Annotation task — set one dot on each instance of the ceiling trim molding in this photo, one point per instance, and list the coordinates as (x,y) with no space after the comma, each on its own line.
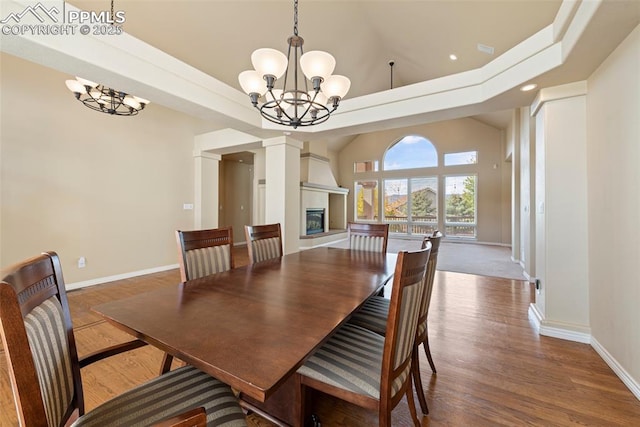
(556,93)
(137,67)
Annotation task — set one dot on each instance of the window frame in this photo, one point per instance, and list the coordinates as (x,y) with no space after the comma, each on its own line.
(446,223)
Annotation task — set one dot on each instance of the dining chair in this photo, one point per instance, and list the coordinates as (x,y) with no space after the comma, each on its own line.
(371,237)
(365,368)
(368,236)
(263,242)
(374,314)
(204,252)
(44,368)
(201,253)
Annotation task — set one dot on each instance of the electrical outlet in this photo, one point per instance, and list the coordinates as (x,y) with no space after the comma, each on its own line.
(82,262)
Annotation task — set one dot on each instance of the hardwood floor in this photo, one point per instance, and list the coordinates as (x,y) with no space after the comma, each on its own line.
(493,368)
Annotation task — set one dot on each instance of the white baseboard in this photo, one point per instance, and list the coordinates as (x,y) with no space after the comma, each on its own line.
(571,335)
(535,316)
(100,280)
(556,329)
(624,376)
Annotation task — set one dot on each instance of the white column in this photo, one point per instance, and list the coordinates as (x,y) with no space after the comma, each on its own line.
(516,200)
(282,192)
(206,188)
(562,301)
(527,193)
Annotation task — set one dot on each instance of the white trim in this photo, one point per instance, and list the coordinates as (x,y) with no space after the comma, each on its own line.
(556,329)
(624,376)
(535,316)
(527,276)
(569,90)
(100,280)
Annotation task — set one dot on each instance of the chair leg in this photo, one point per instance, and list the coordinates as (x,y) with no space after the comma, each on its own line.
(300,409)
(166,363)
(427,351)
(412,404)
(417,381)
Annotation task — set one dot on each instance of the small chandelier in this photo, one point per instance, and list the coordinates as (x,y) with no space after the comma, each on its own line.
(104,99)
(298,105)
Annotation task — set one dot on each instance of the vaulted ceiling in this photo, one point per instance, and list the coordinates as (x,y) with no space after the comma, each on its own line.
(218,37)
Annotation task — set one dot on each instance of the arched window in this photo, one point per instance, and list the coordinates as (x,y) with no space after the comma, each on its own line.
(410,152)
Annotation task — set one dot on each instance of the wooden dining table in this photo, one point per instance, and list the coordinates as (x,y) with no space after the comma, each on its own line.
(253,326)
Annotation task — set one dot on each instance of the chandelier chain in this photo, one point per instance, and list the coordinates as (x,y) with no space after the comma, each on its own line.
(295,18)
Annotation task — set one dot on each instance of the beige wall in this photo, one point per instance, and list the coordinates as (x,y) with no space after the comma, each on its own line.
(83,183)
(613,159)
(448,136)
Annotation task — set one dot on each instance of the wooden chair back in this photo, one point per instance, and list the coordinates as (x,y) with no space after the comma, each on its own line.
(204,252)
(263,242)
(428,278)
(368,237)
(36,329)
(406,296)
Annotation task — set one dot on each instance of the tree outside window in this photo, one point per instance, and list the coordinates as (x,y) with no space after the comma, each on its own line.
(460,206)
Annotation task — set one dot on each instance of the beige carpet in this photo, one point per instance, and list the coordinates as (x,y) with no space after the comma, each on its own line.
(471,258)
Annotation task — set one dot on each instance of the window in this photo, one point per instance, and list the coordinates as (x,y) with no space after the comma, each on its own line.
(396,206)
(368,166)
(424,205)
(366,200)
(411,205)
(464,158)
(460,206)
(411,152)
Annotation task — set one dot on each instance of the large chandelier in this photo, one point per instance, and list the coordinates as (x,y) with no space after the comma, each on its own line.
(104,99)
(294,104)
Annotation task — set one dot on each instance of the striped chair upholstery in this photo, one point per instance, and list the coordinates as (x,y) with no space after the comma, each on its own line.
(48,342)
(42,361)
(266,249)
(264,242)
(374,313)
(368,237)
(350,364)
(366,243)
(204,252)
(205,261)
(166,396)
(350,360)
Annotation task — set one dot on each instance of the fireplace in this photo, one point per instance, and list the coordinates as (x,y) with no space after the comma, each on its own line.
(315,221)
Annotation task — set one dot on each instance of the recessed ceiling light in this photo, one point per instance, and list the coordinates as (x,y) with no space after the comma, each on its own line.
(453,57)
(527,88)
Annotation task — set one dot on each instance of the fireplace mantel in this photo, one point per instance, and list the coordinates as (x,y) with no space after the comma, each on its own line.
(328,189)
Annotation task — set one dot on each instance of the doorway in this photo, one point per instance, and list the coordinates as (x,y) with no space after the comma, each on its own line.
(236,192)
